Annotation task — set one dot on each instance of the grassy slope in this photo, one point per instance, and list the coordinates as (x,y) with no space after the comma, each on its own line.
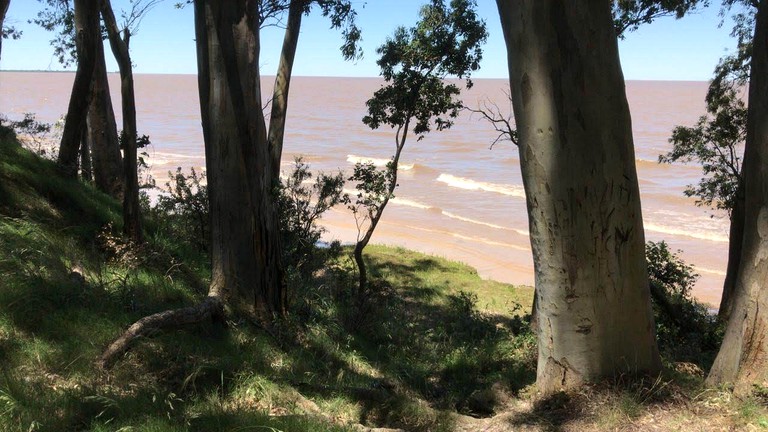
(408,356)
(433,341)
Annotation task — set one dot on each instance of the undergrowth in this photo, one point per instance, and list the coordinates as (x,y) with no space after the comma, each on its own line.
(431,339)
(430,342)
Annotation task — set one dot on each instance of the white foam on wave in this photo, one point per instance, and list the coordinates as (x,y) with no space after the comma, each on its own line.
(489,242)
(410,203)
(686,231)
(474,185)
(487,224)
(377,162)
(708,270)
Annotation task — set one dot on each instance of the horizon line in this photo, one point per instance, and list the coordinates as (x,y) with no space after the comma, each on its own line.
(317,76)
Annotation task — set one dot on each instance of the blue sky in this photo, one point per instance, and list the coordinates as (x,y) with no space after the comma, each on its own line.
(665,50)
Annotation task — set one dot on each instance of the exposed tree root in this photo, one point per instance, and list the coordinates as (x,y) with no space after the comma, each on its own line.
(210,308)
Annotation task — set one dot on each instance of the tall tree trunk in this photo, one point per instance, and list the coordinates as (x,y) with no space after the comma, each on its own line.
(743,357)
(102,131)
(3,10)
(121,51)
(247,271)
(578,165)
(87,39)
(735,242)
(279,112)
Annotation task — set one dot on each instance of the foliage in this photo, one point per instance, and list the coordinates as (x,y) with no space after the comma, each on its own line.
(59,16)
(688,332)
(10,32)
(629,15)
(716,140)
(33,134)
(303,198)
(183,209)
(373,186)
(445,42)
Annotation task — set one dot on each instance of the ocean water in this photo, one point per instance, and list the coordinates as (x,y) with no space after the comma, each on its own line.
(458,198)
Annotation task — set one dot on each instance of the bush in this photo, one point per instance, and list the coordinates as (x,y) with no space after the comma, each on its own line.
(686,329)
(302,200)
(183,209)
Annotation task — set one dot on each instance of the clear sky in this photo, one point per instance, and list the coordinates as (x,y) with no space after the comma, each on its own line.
(665,50)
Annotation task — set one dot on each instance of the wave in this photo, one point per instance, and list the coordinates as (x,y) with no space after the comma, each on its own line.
(377,162)
(487,224)
(410,203)
(687,232)
(469,184)
(489,242)
(708,270)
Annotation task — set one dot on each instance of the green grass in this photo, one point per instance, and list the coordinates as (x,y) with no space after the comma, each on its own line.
(430,335)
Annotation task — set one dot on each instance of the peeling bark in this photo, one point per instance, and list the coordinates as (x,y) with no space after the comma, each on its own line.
(743,357)
(578,165)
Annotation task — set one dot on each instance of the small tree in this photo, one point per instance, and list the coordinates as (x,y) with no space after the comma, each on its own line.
(716,143)
(414,63)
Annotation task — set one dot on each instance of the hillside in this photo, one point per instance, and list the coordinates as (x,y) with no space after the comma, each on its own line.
(433,348)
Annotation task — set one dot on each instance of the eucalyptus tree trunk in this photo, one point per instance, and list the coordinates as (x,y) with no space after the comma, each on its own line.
(87,39)
(3,10)
(121,51)
(743,357)
(247,271)
(578,166)
(279,111)
(102,131)
(735,243)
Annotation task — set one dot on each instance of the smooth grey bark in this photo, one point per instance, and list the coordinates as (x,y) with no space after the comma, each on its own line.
(121,51)
(87,39)
(578,166)
(743,357)
(102,131)
(278,115)
(247,272)
(4,4)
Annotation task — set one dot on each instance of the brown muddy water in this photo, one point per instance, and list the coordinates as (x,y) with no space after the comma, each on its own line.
(457,198)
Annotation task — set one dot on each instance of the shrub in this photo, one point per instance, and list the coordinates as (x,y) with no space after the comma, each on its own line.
(686,329)
(302,200)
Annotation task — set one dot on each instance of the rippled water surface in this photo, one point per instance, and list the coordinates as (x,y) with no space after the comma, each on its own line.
(457,198)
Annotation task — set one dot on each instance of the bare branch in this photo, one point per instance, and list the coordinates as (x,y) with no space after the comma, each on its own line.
(501,123)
